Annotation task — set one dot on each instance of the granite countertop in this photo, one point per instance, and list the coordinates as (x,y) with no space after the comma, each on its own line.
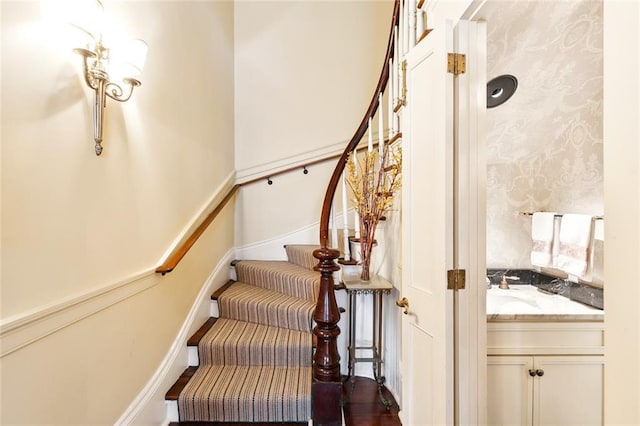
(526,303)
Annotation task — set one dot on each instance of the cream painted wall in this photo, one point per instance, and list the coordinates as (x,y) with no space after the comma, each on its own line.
(74,224)
(305,73)
(296,61)
(622,211)
(72,221)
(89,372)
(292,203)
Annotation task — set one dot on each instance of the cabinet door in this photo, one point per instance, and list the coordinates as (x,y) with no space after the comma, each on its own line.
(510,393)
(570,390)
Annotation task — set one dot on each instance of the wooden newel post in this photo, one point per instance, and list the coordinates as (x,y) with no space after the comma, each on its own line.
(327,387)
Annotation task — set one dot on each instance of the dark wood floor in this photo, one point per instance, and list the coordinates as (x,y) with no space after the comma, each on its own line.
(364,408)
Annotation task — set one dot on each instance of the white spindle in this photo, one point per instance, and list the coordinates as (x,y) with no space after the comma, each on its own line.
(380,126)
(401,29)
(370,141)
(405,30)
(419,22)
(396,67)
(390,90)
(412,23)
(345,219)
(356,218)
(334,229)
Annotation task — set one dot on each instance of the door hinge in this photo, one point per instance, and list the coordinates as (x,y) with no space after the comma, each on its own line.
(456,279)
(456,63)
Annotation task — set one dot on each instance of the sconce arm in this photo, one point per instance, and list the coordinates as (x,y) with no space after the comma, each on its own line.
(88,55)
(120,93)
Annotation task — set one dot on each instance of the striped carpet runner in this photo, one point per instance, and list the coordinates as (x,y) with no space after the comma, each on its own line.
(255,361)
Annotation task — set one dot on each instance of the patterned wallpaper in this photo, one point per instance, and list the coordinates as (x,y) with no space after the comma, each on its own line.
(545,143)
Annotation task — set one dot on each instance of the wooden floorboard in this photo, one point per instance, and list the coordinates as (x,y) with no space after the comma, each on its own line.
(365,408)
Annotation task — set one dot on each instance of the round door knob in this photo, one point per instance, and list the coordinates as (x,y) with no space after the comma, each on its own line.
(403,303)
(540,373)
(532,373)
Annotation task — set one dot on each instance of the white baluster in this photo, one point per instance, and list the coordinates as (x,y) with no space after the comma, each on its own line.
(396,68)
(419,23)
(405,28)
(400,29)
(380,126)
(412,23)
(334,229)
(390,92)
(356,218)
(370,141)
(345,219)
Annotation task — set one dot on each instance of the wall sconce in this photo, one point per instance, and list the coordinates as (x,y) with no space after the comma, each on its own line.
(109,72)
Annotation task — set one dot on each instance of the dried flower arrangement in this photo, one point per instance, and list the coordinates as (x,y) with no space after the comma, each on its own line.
(373,182)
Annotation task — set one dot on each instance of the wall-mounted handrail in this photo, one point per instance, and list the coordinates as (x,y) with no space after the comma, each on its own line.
(179,252)
(326,360)
(176,255)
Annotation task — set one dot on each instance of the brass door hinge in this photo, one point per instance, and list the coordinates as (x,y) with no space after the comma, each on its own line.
(456,279)
(456,63)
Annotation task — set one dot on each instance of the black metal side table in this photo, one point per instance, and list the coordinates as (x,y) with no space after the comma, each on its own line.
(376,287)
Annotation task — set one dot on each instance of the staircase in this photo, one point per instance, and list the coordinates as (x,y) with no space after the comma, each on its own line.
(255,358)
(258,359)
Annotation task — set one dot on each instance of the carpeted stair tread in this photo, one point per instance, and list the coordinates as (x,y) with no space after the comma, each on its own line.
(234,342)
(197,336)
(283,277)
(302,255)
(250,303)
(247,394)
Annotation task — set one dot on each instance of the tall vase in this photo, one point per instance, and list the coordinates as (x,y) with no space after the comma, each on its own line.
(366,245)
(365,264)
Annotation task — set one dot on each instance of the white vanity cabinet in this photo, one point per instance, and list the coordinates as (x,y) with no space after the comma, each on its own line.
(545,373)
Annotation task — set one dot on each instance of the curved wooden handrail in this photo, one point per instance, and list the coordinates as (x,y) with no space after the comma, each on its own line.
(359,133)
(326,359)
(174,258)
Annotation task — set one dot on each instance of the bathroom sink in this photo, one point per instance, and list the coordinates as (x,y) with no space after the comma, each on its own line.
(526,299)
(502,302)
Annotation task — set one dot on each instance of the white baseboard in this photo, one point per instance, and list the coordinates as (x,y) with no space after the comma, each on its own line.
(176,360)
(273,249)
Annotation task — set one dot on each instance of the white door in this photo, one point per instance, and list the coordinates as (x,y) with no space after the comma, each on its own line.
(427,232)
(428,219)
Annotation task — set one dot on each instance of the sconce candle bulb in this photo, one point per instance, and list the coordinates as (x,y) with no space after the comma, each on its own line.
(96,67)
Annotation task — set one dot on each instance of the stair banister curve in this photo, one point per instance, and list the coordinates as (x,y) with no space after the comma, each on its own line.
(326,362)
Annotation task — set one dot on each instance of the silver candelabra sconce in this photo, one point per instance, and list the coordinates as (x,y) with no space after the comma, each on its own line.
(109,72)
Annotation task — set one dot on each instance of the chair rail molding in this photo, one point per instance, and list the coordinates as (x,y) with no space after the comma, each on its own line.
(28,327)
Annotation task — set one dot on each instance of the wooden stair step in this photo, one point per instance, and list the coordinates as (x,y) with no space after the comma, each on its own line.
(198,335)
(174,391)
